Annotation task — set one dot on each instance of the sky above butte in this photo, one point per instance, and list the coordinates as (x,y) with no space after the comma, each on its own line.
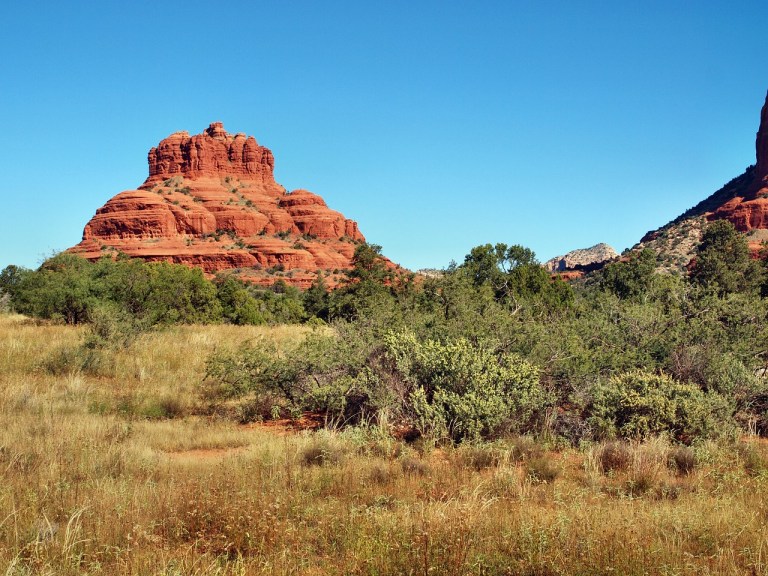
(437,125)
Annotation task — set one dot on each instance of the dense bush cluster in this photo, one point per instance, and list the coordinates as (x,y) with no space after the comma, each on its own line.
(493,345)
(464,391)
(71,289)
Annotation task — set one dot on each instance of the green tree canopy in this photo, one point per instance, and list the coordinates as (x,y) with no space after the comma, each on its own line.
(723,262)
(631,278)
(514,274)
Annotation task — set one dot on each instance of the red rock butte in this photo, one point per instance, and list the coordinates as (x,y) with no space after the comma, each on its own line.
(211,201)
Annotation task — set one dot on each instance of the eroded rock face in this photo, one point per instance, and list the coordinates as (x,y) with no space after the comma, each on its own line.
(212,153)
(748,208)
(582,259)
(211,201)
(743,201)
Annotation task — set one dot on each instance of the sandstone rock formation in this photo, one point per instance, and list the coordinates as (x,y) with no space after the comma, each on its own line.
(743,201)
(748,208)
(211,201)
(584,259)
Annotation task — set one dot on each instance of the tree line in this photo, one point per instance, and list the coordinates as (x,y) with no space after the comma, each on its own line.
(493,345)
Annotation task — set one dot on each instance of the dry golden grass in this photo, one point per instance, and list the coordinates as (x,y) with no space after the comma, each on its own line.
(86,489)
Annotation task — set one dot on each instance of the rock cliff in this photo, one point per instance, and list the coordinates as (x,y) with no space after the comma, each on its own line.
(742,201)
(584,259)
(211,201)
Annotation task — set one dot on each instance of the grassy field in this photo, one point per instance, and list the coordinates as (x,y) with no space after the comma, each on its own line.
(120,473)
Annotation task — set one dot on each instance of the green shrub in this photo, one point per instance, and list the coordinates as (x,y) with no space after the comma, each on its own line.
(237,303)
(463,391)
(318,373)
(235,374)
(640,404)
(68,288)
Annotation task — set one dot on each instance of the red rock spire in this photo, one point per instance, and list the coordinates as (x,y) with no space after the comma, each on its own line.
(761,143)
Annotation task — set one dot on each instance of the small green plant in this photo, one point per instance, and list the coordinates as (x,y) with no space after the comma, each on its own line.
(463,391)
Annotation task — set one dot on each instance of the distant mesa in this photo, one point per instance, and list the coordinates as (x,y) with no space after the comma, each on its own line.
(583,259)
(211,201)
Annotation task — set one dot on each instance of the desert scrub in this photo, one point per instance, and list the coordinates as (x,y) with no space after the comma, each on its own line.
(464,391)
(102,493)
(481,456)
(640,404)
(323,448)
(635,469)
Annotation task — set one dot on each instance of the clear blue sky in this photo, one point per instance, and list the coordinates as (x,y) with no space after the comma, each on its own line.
(437,125)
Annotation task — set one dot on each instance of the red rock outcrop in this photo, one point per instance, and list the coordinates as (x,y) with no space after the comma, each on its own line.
(748,208)
(743,201)
(211,201)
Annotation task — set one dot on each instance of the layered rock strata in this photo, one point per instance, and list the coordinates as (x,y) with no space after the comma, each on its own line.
(211,201)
